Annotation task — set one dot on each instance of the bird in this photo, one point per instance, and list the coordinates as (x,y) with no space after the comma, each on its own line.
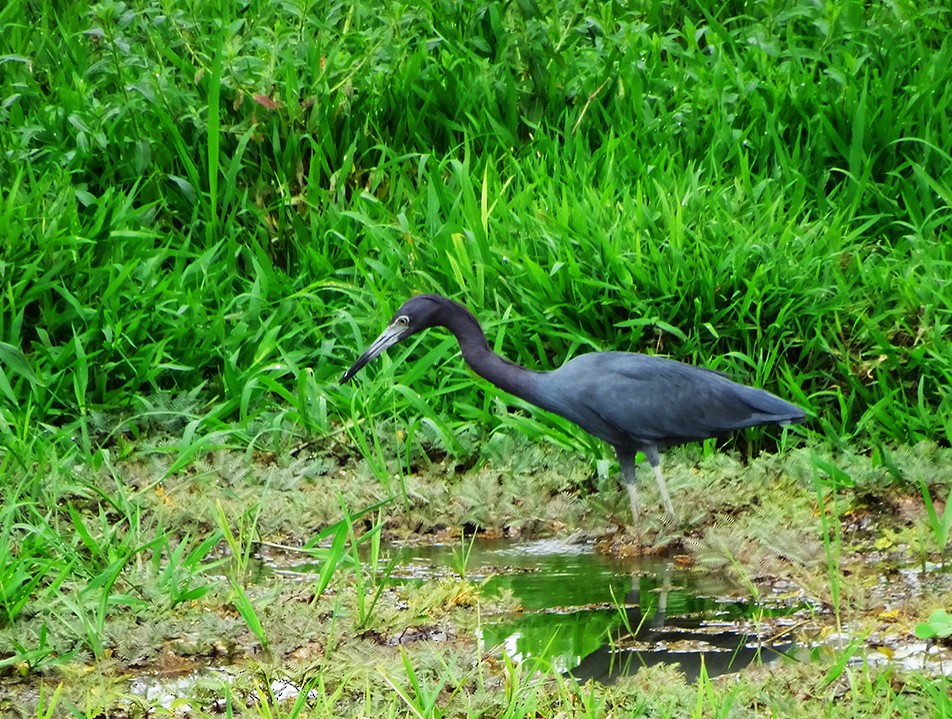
(634,402)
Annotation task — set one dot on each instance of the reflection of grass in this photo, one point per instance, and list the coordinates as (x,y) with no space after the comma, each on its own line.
(560,638)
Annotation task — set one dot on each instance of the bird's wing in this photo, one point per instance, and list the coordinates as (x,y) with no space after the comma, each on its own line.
(656,401)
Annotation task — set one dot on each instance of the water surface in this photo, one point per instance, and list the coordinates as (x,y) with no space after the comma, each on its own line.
(598,617)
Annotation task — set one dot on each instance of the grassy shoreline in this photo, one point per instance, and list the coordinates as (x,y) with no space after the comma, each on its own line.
(191,600)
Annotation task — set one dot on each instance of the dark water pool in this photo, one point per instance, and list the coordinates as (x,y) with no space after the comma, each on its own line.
(599,617)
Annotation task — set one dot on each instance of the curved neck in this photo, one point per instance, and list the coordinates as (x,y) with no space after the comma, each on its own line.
(506,375)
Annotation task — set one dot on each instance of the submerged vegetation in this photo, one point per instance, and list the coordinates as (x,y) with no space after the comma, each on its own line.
(207,208)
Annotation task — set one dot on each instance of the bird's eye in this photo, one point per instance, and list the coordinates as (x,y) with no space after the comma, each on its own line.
(403,320)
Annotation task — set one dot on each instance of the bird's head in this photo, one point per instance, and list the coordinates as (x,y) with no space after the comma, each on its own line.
(414,315)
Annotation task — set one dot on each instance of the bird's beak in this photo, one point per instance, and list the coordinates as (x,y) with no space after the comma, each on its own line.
(389,337)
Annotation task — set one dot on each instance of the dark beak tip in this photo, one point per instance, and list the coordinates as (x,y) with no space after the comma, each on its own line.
(389,337)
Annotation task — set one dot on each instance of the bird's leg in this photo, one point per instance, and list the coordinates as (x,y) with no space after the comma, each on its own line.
(663,490)
(654,459)
(626,462)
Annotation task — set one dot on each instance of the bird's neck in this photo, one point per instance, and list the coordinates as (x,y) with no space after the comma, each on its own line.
(506,375)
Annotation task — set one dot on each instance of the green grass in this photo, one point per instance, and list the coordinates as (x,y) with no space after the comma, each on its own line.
(765,192)
(207,210)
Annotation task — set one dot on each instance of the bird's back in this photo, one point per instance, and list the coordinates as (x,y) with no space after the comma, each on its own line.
(634,400)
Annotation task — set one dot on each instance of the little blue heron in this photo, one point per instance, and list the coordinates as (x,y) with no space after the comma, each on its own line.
(635,402)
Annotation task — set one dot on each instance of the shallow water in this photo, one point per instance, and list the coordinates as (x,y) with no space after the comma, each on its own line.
(598,617)
(593,616)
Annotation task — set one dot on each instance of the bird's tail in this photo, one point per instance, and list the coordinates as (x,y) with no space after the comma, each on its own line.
(770,409)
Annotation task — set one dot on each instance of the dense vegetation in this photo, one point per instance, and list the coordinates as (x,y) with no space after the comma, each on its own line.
(206,202)
(207,209)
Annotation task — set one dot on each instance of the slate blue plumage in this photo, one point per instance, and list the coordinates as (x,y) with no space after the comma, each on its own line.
(634,402)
